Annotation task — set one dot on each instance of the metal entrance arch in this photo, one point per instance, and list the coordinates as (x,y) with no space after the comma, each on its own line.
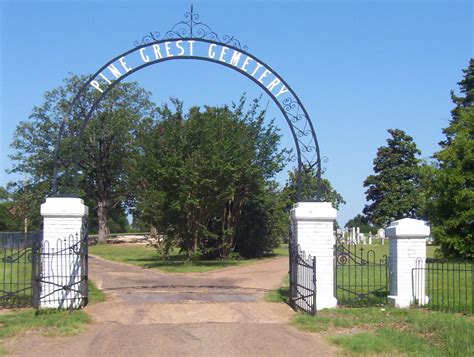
(195,33)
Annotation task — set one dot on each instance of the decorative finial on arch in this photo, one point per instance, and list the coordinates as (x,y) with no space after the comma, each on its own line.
(191,27)
(192,13)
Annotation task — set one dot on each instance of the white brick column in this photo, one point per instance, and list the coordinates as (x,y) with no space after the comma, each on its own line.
(63,224)
(312,224)
(407,252)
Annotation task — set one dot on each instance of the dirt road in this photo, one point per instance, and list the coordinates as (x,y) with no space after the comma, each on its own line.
(150,313)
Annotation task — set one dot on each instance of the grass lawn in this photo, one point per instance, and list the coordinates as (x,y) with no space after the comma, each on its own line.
(147,257)
(280,295)
(17,322)
(388,331)
(15,275)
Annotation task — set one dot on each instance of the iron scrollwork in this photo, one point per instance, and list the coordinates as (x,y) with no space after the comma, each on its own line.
(191,27)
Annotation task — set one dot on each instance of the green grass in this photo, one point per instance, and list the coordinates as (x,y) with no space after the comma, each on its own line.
(147,257)
(15,276)
(95,295)
(390,331)
(15,323)
(282,250)
(449,286)
(282,294)
(48,322)
(362,270)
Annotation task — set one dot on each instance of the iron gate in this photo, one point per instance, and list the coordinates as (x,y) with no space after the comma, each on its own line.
(19,268)
(361,277)
(64,274)
(302,281)
(34,273)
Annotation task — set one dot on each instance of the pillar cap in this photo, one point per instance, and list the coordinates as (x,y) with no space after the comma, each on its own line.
(64,207)
(408,228)
(313,211)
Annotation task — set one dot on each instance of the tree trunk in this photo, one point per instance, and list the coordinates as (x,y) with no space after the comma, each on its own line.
(103,219)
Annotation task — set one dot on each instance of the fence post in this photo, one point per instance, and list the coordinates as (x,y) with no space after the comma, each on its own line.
(407,261)
(312,224)
(64,218)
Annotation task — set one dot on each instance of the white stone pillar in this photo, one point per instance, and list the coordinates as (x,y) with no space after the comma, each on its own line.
(64,221)
(313,230)
(407,261)
(353,233)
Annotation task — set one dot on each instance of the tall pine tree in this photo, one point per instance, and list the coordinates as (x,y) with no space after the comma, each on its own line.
(451,208)
(394,191)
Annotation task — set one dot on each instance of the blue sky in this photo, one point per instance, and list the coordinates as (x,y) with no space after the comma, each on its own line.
(359,67)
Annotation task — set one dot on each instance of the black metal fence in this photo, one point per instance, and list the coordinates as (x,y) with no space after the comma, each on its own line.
(444,285)
(302,281)
(360,277)
(19,266)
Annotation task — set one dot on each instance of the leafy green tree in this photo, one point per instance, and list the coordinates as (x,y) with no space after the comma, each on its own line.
(106,151)
(3,194)
(466,100)
(394,191)
(197,173)
(309,189)
(363,223)
(264,223)
(8,223)
(117,220)
(451,208)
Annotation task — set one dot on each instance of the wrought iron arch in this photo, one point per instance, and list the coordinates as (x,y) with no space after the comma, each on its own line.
(191,29)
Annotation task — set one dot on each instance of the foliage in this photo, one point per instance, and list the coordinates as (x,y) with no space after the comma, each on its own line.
(106,149)
(117,219)
(309,189)
(3,194)
(466,87)
(201,173)
(451,208)
(263,215)
(363,223)
(394,190)
(9,221)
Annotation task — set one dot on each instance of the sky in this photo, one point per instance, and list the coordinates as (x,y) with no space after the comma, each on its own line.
(359,67)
